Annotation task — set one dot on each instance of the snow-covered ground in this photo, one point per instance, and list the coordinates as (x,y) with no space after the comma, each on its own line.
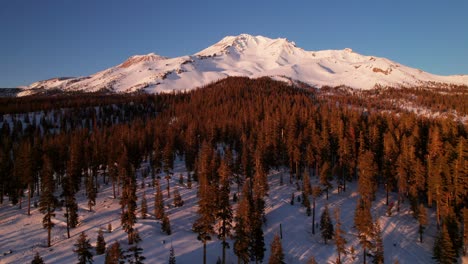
(250,56)
(21,235)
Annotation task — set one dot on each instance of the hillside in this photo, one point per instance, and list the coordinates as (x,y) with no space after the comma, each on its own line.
(399,231)
(264,139)
(249,56)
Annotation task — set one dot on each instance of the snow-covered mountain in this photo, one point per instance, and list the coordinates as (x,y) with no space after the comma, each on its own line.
(251,56)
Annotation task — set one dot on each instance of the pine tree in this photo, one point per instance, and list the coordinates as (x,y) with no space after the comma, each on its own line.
(134,252)
(82,249)
(443,248)
(114,254)
(367,173)
(422,219)
(91,190)
(100,243)
(37,259)
(363,224)
(172,259)
(326,177)
(128,200)
(24,166)
(166,225)
(312,260)
(144,206)
(158,202)
(326,225)
(71,207)
(340,241)
(243,225)
(178,202)
(203,226)
(379,247)
(316,191)
(306,203)
(47,202)
(277,255)
(224,212)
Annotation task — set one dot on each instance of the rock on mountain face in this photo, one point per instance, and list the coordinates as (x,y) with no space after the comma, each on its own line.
(251,56)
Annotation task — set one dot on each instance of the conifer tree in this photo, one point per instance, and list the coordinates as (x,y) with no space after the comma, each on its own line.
(203,226)
(134,252)
(306,203)
(158,202)
(166,225)
(422,219)
(326,225)
(367,173)
(144,206)
(443,248)
(243,225)
(340,241)
(90,190)
(277,255)
(114,254)
(178,202)
(24,167)
(312,260)
(379,247)
(100,243)
(224,212)
(37,259)
(71,207)
(364,225)
(128,202)
(82,249)
(316,191)
(172,259)
(47,202)
(325,177)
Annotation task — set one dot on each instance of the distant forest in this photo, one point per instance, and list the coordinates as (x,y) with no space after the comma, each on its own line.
(238,129)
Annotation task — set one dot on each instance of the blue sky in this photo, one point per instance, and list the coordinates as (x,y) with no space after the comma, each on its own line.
(45,39)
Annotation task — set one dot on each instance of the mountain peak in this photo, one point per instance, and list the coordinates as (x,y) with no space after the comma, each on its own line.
(252,56)
(244,42)
(136,59)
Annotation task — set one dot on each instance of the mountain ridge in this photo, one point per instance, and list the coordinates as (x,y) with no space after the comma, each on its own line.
(249,56)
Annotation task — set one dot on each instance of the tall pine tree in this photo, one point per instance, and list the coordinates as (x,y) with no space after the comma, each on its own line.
(276,252)
(82,249)
(326,225)
(224,212)
(47,202)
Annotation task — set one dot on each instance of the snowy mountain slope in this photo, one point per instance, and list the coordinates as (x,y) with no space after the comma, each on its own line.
(251,56)
(24,235)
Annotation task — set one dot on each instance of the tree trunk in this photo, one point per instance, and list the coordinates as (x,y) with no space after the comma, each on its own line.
(20,194)
(224,242)
(29,198)
(387,191)
(420,233)
(113,188)
(313,218)
(365,256)
(49,225)
(224,251)
(68,221)
(204,252)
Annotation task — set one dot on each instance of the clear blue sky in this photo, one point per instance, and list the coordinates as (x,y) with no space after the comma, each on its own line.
(46,38)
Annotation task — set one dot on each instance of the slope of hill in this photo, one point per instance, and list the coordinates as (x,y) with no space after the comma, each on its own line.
(251,56)
(23,235)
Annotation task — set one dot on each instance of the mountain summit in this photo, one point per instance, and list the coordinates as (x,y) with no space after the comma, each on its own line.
(251,56)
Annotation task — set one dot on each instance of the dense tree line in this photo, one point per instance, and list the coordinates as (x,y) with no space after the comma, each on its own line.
(235,131)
